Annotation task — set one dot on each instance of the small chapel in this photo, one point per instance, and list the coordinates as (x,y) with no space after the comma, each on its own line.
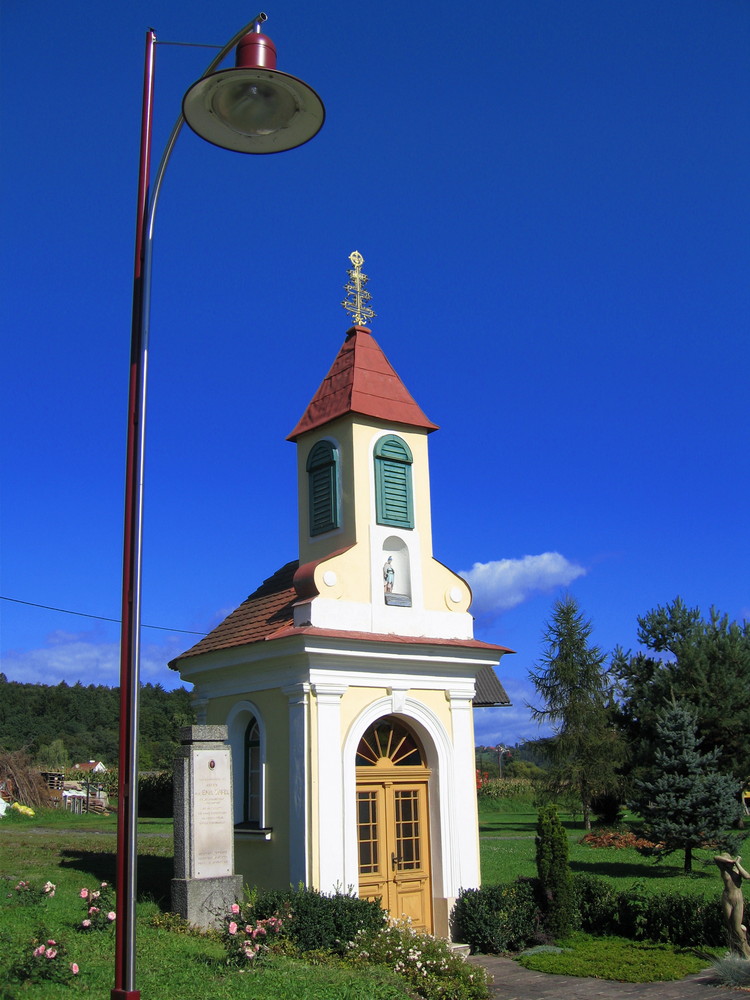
(348,680)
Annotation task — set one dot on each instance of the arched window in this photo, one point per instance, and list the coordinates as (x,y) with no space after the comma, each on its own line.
(253,785)
(389,743)
(322,480)
(394,504)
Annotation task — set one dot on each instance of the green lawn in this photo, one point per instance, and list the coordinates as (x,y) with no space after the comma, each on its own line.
(507,850)
(615,958)
(78,851)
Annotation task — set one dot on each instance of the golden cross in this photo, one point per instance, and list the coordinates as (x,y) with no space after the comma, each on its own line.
(356,294)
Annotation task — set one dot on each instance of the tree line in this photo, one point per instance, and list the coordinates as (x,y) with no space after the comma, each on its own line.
(61,725)
(662,730)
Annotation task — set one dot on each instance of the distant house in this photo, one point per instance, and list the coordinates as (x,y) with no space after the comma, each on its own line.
(90,767)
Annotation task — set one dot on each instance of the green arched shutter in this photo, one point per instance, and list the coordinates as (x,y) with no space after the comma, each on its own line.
(322,463)
(393,490)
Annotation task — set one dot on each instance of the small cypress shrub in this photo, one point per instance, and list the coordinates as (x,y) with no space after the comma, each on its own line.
(555,879)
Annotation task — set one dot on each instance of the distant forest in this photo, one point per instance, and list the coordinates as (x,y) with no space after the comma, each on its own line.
(62,725)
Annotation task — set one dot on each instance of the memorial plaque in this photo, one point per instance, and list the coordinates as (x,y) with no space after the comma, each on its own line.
(212,822)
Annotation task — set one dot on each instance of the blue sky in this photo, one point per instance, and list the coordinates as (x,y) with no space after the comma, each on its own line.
(552,202)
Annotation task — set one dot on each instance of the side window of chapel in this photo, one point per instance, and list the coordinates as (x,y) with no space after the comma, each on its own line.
(253,785)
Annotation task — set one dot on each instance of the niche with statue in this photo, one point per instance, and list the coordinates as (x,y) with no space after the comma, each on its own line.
(396,573)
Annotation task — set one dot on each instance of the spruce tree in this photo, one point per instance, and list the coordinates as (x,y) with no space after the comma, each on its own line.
(571,679)
(684,799)
(555,879)
(702,662)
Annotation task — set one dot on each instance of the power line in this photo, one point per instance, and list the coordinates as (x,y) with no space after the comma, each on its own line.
(101,618)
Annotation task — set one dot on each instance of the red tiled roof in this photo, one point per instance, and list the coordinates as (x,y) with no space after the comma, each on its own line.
(361,380)
(266,610)
(268,614)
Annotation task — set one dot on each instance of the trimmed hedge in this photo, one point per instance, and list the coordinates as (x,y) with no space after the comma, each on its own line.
(506,918)
(315,920)
(498,918)
(676,918)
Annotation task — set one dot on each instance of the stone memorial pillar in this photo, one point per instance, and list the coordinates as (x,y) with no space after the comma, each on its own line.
(204,886)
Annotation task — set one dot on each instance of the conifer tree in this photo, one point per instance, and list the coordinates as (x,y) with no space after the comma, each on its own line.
(571,679)
(684,799)
(703,663)
(553,871)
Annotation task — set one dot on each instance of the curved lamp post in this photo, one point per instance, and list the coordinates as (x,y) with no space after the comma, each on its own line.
(253,108)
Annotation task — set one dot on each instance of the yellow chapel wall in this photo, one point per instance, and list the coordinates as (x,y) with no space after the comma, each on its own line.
(261,862)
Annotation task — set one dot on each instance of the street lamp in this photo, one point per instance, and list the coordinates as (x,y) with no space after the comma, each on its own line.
(253,108)
(500,751)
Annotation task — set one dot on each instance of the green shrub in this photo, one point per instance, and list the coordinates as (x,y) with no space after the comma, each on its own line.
(431,970)
(43,958)
(679,919)
(155,795)
(555,879)
(314,920)
(595,904)
(498,918)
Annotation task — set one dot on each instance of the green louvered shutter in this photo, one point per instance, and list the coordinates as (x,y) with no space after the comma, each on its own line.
(323,488)
(393,489)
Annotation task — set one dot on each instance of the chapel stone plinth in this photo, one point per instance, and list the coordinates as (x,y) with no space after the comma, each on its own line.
(205,885)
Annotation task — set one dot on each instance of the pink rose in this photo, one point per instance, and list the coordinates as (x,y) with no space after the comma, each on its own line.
(74,968)
(51,952)
(235,908)
(50,941)
(232,927)
(104,885)
(85,923)
(40,950)
(84,894)
(93,909)
(111,915)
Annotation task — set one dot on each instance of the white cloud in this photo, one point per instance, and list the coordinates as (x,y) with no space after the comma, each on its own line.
(90,659)
(505,583)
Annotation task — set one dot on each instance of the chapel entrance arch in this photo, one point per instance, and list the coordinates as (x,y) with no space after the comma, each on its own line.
(393,821)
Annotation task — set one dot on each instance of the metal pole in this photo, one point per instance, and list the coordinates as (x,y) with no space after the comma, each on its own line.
(127,797)
(130,640)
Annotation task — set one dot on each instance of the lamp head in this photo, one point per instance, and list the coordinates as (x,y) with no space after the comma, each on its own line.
(253,108)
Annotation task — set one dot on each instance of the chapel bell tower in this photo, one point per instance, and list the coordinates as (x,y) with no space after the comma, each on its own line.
(365,527)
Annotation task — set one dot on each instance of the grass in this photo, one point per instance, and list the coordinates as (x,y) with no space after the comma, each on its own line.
(615,958)
(80,851)
(507,830)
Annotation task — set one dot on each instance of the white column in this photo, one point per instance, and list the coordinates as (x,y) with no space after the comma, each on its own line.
(330,775)
(465,825)
(299,778)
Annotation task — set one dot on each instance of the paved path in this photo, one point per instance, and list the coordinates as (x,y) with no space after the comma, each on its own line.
(513,982)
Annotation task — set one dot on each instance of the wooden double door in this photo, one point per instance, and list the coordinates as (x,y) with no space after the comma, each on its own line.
(393,840)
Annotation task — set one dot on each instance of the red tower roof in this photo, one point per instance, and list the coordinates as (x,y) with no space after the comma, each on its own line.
(361,380)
